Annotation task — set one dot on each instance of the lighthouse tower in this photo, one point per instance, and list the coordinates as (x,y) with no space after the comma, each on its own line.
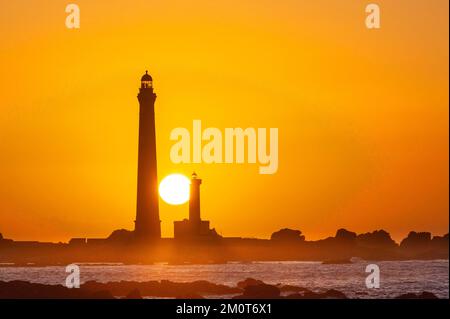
(194,200)
(147,223)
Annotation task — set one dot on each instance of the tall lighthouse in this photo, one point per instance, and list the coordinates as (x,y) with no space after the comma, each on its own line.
(147,223)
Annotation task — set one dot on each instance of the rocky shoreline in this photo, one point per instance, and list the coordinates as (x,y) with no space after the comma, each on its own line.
(247,289)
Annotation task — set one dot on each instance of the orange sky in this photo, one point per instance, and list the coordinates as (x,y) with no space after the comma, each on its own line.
(362,114)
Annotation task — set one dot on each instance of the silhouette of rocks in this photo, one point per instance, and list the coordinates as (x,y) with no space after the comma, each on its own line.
(1,236)
(164,288)
(260,291)
(416,240)
(26,290)
(265,289)
(132,290)
(332,293)
(440,241)
(190,296)
(285,244)
(420,245)
(345,235)
(287,234)
(423,295)
(193,290)
(329,294)
(249,282)
(340,247)
(101,294)
(134,294)
(121,236)
(380,238)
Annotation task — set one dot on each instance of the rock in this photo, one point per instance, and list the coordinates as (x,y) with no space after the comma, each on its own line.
(165,288)
(26,290)
(287,234)
(121,236)
(134,294)
(345,235)
(261,291)
(249,282)
(334,294)
(423,295)
(440,241)
(101,294)
(416,240)
(190,296)
(378,238)
(295,296)
(329,294)
(428,295)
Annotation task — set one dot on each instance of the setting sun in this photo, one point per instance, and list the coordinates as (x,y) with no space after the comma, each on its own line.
(174,189)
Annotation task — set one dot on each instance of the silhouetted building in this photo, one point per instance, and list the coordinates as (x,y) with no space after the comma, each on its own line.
(147,223)
(194,227)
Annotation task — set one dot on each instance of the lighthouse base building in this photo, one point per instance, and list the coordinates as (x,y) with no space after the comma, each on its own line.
(194,228)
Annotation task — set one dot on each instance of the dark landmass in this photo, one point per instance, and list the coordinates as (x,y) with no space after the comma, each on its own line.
(423,295)
(247,289)
(336,261)
(284,245)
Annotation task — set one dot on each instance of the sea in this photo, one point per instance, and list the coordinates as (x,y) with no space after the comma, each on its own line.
(396,277)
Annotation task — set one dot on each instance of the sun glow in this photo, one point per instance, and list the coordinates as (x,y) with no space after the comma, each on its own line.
(174,189)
